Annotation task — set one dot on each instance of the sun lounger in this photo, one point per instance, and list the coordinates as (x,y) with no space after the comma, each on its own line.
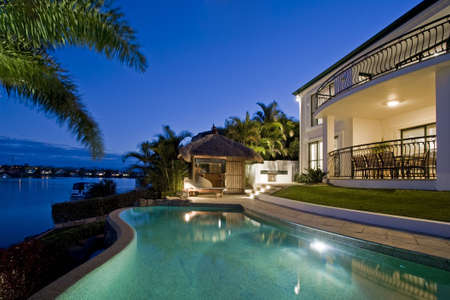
(201,186)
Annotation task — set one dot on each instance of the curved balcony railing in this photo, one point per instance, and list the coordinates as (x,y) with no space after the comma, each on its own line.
(413,158)
(425,42)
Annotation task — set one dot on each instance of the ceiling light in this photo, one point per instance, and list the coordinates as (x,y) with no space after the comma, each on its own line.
(393,103)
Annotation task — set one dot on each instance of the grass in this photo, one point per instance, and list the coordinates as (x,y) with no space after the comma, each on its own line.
(431,205)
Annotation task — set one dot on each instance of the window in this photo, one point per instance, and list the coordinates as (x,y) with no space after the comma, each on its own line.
(419,131)
(336,143)
(315,155)
(210,166)
(314,106)
(422,133)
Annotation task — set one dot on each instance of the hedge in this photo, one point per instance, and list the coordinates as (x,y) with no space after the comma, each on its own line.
(29,266)
(82,209)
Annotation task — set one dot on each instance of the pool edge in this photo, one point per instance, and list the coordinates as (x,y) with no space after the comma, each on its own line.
(124,236)
(405,254)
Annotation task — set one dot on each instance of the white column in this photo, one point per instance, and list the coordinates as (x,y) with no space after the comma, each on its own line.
(443,128)
(328,139)
(298,98)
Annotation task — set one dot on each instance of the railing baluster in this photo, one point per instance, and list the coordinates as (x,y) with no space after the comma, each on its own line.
(412,158)
(421,43)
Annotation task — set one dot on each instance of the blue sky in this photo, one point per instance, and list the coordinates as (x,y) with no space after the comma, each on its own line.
(208,60)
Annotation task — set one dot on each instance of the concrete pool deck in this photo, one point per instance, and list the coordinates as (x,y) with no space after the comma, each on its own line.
(420,248)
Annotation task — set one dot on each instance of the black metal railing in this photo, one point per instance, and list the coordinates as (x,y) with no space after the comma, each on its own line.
(412,158)
(425,42)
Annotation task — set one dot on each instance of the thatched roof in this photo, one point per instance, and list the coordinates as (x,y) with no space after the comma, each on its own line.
(218,145)
(214,130)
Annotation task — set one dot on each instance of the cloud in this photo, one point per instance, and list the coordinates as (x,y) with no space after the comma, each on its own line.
(18,151)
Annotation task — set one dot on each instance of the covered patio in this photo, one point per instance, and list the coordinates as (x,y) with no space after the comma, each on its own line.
(385,131)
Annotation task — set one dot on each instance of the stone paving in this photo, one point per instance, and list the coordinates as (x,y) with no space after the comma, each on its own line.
(424,244)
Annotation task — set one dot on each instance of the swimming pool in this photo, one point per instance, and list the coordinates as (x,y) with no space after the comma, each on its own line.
(207,253)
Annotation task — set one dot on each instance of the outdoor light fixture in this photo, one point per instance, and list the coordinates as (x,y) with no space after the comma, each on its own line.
(393,103)
(267,187)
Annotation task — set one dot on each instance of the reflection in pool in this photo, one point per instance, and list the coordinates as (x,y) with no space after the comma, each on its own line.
(211,254)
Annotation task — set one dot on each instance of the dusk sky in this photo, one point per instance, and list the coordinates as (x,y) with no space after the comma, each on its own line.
(208,60)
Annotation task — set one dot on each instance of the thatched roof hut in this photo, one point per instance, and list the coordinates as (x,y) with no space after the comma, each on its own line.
(220,160)
(216,145)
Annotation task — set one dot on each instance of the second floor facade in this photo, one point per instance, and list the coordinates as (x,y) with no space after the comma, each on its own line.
(387,91)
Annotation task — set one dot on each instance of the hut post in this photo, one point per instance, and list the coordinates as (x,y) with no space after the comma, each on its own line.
(194,175)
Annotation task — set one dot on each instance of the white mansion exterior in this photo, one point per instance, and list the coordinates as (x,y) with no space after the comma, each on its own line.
(380,117)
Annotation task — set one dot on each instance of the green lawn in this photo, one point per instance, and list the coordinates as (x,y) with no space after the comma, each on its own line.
(419,204)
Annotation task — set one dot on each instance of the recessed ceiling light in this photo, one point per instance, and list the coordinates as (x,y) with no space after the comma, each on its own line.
(393,103)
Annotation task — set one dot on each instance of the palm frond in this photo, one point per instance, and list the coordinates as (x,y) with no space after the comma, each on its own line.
(35,76)
(57,23)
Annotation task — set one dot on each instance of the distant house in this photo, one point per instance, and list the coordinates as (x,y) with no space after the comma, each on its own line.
(60,172)
(30,171)
(373,119)
(46,172)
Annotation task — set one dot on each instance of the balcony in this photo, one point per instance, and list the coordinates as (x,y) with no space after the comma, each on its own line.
(423,43)
(409,159)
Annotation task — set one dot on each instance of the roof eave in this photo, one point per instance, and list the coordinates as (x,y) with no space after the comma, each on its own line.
(388,29)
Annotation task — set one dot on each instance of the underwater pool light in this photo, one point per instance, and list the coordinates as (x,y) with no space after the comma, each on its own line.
(319,246)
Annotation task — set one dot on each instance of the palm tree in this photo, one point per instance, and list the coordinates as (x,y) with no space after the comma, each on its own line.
(144,160)
(291,131)
(272,142)
(159,163)
(166,149)
(244,131)
(268,113)
(31,30)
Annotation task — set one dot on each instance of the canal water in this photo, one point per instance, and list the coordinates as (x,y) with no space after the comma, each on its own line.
(26,204)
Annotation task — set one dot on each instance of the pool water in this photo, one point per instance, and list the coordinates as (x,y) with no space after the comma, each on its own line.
(181,253)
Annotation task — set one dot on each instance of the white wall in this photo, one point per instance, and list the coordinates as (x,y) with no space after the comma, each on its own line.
(307,133)
(366,131)
(253,172)
(393,126)
(443,127)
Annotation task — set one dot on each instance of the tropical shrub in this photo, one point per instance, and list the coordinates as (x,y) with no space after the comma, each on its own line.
(270,133)
(101,206)
(31,265)
(310,176)
(158,162)
(103,188)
